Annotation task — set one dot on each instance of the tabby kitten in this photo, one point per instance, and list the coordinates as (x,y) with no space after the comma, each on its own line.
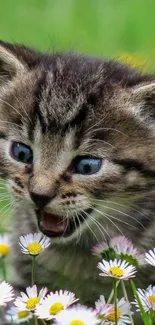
(77,151)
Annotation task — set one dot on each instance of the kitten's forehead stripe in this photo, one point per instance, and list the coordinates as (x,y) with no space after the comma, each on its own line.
(3,135)
(77,122)
(131,164)
(37,113)
(58,106)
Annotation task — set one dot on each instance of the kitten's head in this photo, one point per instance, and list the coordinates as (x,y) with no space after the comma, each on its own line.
(73,130)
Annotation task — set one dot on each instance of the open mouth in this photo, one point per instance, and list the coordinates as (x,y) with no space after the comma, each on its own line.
(53,225)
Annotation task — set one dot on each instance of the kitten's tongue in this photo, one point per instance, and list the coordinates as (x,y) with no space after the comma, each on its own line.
(52,222)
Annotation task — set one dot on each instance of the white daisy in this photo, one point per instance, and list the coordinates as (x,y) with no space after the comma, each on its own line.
(30,299)
(142,298)
(106,312)
(6,293)
(34,244)
(147,298)
(117,269)
(100,302)
(126,250)
(122,313)
(102,308)
(150,257)
(122,244)
(150,297)
(18,316)
(98,249)
(54,303)
(119,247)
(4,244)
(76,315)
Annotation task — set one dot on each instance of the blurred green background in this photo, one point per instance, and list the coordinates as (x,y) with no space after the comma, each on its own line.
(101,27)
(115,28)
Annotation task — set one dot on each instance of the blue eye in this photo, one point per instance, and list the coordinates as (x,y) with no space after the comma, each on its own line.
(86,165)
(21,152)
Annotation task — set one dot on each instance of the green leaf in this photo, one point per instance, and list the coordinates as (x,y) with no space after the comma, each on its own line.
(129,258)
(145,317)
(109,254)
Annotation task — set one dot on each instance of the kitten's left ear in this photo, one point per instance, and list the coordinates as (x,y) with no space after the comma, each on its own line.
(10,65)
(143,101)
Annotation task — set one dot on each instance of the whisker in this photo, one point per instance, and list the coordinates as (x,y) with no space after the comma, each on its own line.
(12,123)
(24,110)
(106,216)
(5,194)
(80,232)
(20,129)
(2,100)
(123,205)
(106,129)
(99,140)
(103,128)
(98,225)
(6,217)
(3,188)
(66,224)
(4,210)
(73,218)
(120,220)
(4,199)
(93,126)
(84,220)
(123,213)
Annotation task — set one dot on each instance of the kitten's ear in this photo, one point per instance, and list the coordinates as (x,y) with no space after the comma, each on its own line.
(15,58)
(143,101)
(26,55)
(10,65)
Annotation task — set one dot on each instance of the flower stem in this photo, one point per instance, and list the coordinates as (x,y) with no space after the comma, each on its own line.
(115,299)
(43,322)
(35,320)
(3,268)
(33,270)
(12,323)
(126,298)
(112,292)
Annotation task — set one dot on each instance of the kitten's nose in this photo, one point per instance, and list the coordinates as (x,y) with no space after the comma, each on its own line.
(41,199)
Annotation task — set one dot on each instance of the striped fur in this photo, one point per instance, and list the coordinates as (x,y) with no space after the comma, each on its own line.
(63,106)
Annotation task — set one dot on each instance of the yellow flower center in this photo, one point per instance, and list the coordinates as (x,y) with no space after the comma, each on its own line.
(23,314)
(4,249)
(55,308)
(111,316)
(34,248)
(76,322)
(151,298)
(32,302)
(116,271)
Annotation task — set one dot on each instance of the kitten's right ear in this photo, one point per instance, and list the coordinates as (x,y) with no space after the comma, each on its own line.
(10,65)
